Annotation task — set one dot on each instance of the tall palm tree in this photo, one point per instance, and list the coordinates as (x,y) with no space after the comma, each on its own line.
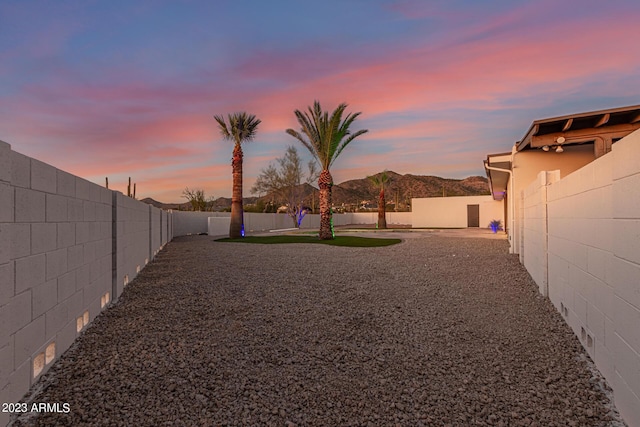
(242,127)
(379,181)
(325,137)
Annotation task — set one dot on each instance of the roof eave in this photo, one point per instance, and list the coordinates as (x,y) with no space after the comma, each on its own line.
(535,126)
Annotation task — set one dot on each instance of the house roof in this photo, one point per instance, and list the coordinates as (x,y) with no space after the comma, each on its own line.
(498,179)
(602,127)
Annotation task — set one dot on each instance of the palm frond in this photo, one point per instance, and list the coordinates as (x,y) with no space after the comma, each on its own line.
(223,127)
(334,132)
(241,127)
(326,135)
(379,179)
(347,141)
(304,142)
(309,126)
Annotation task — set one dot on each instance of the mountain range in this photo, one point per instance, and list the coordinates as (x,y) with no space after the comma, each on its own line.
(361,192)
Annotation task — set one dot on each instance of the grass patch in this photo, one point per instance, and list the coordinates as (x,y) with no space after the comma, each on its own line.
(351,241)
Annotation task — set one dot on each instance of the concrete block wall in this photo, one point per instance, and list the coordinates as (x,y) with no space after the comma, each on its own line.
(133,239)
(368,218)
(160,229)
(197,222)
(185,222)
(265,222)
(257,222)
(593,225)
(167,227)
(624,275)
(59,253)
(535,250)
(218,226)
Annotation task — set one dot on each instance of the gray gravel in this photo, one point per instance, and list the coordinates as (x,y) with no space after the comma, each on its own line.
(433,331)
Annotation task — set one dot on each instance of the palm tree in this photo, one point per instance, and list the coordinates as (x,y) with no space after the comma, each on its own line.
(325,137)
(379,181)
(242,127)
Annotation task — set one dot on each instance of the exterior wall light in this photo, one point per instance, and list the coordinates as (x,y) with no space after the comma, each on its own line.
(545,148)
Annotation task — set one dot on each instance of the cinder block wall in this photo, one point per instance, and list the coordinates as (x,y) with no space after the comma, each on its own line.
(355,218)
(593,262)
(197,222)
(535,234)
(166,227)
(66,245)
(138,237)
(185,223)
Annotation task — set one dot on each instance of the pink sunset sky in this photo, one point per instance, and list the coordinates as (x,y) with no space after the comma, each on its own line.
(129,88)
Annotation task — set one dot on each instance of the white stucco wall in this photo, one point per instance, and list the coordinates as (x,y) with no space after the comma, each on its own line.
(451,212)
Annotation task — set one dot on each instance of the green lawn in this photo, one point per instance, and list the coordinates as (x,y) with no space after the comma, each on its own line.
(358,242)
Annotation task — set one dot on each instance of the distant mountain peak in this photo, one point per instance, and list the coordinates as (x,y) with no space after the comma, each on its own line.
(352,193)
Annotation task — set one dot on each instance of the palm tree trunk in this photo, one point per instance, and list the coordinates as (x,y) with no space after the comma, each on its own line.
(236,228)
(325,182)
(382,210)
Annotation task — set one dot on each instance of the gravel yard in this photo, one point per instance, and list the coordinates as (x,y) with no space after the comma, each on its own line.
(433,331)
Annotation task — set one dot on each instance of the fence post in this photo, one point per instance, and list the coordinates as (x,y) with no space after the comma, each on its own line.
(114,245)
(150,233)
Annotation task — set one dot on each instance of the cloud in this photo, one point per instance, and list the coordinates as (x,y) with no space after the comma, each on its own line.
(458,81)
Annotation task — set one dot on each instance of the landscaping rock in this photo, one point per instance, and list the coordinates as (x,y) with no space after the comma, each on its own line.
(433,331)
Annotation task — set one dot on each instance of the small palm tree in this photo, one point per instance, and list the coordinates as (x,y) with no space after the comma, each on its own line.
(242,127)
(379,181)
(325,137)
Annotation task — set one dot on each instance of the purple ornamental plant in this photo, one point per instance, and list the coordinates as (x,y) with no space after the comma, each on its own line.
(495,225)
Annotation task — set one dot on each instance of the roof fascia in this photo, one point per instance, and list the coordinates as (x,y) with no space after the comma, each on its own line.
(606,114)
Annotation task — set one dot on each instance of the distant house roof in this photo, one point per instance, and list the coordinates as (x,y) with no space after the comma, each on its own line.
(602,128)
